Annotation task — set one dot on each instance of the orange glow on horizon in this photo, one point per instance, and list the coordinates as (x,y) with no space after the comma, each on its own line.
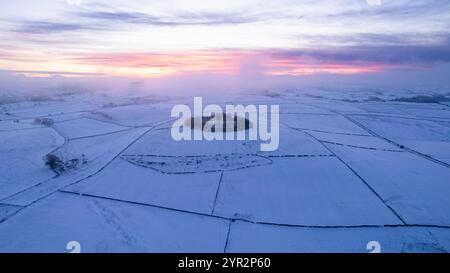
(164,64)
(158,65)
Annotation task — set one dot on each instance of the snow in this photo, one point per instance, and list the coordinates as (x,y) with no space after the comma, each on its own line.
(427,137)
(435,149)
(297,108)
(49,108)
(160,142)
(416,188)
(404,129)
(342,107)
(133,115)
(443,123)
(429,113)
(355,141)
(350,169)
(14,124)
(84,127)
(21,154)
(247,237)
(7,210)
(333,123)
(108,226)
(292,142)
(99,151)
(380,108)
(301,191)
(191,192)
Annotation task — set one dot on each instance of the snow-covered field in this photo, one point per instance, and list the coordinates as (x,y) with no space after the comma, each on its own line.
(350,169)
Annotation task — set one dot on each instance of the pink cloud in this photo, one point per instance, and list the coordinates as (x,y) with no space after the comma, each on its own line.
(225,62)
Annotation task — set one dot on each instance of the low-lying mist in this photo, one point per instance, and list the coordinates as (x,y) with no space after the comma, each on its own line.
(17,85)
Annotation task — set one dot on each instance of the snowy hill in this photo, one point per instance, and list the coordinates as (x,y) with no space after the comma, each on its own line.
(347,172)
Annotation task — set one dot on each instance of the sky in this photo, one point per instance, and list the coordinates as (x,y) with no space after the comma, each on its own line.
(354,40)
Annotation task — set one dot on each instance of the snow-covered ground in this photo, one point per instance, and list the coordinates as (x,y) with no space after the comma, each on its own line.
(351,168)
